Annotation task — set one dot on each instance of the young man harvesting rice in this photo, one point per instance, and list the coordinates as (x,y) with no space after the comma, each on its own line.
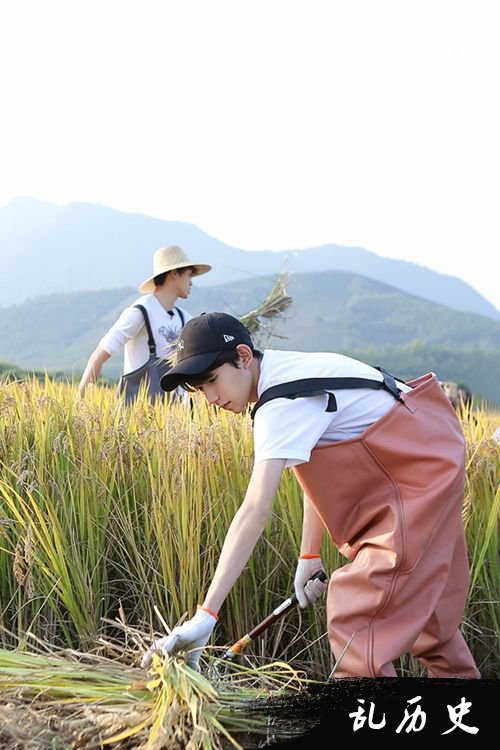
(151,324)
(381,464)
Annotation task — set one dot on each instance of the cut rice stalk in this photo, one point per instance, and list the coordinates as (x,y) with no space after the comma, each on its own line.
(97,702)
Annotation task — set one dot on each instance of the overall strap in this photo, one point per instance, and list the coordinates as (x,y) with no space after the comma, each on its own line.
(181,315)
(319,386)
(151,341)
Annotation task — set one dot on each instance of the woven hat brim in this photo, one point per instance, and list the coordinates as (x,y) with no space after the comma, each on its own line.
(148,286)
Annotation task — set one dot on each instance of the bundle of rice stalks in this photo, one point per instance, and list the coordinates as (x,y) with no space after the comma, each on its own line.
(277,301)
(75,700)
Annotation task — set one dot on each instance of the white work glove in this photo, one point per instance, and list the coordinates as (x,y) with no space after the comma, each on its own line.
(193,634)
(307,591)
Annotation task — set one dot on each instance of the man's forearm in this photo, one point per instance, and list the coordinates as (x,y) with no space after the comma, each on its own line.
(93,369)
(312,529)
(244,531)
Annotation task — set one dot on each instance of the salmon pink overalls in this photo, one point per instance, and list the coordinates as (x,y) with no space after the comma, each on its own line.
(391,499)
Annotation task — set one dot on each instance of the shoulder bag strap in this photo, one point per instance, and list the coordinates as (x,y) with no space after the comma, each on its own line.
(319,386)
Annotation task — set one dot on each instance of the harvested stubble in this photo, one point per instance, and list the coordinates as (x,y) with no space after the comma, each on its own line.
(75,700)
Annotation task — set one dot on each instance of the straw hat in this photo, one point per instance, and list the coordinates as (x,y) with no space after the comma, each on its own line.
(168,259)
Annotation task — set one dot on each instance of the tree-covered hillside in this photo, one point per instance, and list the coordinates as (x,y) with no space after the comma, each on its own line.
(331,311)
(336,310)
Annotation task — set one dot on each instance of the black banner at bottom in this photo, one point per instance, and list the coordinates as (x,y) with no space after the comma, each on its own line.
(405,709)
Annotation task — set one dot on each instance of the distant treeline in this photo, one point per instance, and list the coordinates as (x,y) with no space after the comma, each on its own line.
(478,369)
(10,373)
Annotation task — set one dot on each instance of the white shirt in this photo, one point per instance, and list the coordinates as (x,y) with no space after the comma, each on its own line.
(130,332)
(291,428)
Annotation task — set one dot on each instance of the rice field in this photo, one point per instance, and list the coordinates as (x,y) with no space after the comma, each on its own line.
(111,522)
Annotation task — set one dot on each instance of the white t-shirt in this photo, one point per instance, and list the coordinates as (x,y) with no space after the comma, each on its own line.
(130,332)
(291,428)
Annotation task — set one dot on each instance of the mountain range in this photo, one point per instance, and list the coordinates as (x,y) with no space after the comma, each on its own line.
(67,272)
(47,249)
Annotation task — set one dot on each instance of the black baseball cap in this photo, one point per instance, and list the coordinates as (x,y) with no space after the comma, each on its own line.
(200,342)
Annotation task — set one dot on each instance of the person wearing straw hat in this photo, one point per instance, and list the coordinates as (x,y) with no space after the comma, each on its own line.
(172,278)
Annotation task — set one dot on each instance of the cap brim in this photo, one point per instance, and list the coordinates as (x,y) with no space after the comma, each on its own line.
(190,366)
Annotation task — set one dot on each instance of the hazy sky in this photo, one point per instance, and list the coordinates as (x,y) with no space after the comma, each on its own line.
(269,123)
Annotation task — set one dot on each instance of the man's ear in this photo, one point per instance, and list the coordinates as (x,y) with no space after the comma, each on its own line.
(246,354)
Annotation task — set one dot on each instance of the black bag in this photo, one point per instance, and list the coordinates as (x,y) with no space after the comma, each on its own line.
(151,372)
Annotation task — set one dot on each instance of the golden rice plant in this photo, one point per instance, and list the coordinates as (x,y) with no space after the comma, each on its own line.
(481,517)
(108,510)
